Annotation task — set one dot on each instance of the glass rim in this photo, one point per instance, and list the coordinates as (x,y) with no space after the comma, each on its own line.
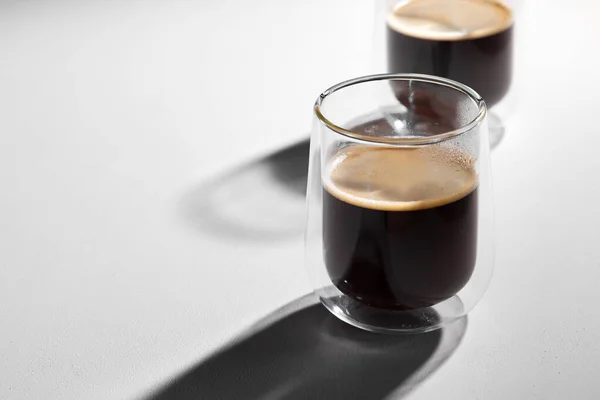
(440,137)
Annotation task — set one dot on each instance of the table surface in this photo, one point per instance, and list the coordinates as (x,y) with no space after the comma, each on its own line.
(152,163)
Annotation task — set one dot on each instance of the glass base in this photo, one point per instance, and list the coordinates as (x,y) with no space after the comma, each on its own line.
(379,320)
(496,127)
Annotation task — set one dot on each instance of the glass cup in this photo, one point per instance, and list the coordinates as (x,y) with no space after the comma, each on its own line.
(399,234)
(470,41)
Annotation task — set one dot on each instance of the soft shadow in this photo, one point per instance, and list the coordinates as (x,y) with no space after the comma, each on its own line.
(303,352)
(496,129)
(260,201)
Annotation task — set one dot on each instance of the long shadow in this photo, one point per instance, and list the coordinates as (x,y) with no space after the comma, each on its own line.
(262,200)
(303,352)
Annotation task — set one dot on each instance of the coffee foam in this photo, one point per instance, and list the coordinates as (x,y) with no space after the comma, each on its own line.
(400,179)
(450,19)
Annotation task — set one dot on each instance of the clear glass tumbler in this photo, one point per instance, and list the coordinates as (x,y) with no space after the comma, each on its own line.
(399,234)
(469,41)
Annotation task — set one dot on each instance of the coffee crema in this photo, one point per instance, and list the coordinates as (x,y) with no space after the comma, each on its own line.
(400,224)
(450,19)
(469,41)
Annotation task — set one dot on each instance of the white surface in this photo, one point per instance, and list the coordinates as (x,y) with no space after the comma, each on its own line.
(114,114)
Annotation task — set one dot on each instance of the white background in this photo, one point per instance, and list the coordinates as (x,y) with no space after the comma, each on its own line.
(126,126)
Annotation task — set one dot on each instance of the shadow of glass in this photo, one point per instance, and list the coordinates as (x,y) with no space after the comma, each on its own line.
(497,129)
(303,352)
(260,201)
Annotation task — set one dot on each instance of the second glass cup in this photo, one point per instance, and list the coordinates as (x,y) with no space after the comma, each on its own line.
(400,217)
(469,41)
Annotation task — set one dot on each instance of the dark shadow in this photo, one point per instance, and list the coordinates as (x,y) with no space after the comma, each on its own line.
(304,352)
(289,167)
(262,200)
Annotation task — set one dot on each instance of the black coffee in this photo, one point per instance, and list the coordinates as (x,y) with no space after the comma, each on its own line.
(469,41)
(400,224)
